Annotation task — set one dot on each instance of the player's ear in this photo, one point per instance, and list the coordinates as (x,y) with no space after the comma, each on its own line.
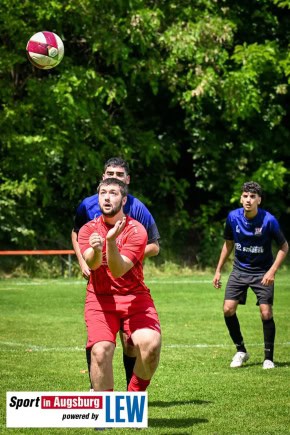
(259,200)
(124,200)
(241,199)
(128,179)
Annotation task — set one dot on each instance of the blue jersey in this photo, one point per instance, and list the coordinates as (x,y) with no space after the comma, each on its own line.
(253,239)
(89,209)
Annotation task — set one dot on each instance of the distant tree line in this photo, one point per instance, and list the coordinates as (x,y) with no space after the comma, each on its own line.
(194,94)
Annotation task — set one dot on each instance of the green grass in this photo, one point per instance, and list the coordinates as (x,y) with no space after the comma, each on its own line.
(194,391)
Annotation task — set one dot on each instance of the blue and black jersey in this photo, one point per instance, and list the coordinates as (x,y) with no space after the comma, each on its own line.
(89,209)
(253,239)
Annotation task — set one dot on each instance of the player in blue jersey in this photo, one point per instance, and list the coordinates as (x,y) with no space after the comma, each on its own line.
(251,230)
(89,209)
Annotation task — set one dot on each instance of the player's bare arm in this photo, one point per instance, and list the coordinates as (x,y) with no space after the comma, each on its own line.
(118,264)
(152,249)
(269,277)
(225,253)
(86,271)
(93,255)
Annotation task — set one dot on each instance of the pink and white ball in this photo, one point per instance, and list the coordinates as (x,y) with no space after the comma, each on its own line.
(45,50)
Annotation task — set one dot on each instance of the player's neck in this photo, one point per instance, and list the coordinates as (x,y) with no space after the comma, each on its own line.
(250,214)
(111,220)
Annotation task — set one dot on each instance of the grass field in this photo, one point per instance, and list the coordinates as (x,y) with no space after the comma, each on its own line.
(194,391)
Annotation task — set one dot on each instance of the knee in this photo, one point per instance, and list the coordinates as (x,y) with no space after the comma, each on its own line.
(229,311)
(101,352)
(148,344)
(154,351)
(266,316)
(151,350)
(266,312)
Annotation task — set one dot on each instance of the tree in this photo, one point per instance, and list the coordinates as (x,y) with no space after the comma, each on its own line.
(193,94)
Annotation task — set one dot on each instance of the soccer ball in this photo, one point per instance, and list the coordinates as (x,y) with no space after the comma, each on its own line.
(45,50)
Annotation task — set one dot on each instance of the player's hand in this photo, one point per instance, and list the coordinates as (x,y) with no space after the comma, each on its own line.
(96,242)
(86,271)
(268,278)
(217,280)
(117,229)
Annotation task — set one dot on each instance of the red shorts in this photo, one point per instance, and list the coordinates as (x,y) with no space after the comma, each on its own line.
(105,315)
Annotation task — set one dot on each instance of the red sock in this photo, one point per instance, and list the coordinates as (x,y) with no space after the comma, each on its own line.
(138,384)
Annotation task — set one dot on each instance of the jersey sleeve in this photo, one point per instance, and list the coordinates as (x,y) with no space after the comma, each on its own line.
(135,243)
(278,235)
(80,218)
(141,214)
(83,237)
(228,231)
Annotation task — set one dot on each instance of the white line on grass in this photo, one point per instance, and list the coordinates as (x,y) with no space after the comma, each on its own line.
(32,347)
(39,283)
(71,283)
(191,281)
(194,346)
(35,348)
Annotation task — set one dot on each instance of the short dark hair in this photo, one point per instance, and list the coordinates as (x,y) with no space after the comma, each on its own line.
(253,187)
(111,180)
(117,161)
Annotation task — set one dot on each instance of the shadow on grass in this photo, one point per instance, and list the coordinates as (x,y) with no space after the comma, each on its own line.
(282,364)
(180,423)
(175,423)
(259,364)
(161,404)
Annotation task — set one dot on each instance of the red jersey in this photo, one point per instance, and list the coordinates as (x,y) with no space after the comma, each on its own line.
(131,243)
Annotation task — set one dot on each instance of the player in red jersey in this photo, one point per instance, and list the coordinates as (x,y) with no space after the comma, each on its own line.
(89,209)
(117,298)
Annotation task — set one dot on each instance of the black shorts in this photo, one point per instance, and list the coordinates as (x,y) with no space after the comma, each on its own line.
(239,282)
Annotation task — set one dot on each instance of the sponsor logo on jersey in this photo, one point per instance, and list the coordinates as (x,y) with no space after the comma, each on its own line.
(258,231)
(250,249)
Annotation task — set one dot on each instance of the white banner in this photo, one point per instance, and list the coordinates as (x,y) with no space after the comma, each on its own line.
(71,409)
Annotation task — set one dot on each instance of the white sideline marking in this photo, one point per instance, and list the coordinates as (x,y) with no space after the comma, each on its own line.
(73,283)
(35,348)
(192,281)
(51,282)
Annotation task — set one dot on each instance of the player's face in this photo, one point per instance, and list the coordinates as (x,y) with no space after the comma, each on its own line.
(111,200)
(117,172)
(250,201)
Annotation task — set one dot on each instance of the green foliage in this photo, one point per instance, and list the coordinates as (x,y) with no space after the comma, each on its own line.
(282,3)
(270,175)
(195,95)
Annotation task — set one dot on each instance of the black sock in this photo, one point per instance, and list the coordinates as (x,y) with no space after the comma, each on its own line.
(129,362)
(233,325)
(269,330)
(88,355)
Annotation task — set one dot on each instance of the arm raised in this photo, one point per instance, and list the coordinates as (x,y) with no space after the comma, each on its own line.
(93,255)
(117,263)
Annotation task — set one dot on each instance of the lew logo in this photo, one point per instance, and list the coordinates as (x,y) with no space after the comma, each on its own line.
(78,410)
